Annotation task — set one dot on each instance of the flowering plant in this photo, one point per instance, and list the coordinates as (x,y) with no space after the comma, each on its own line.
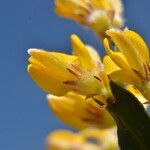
(96,95)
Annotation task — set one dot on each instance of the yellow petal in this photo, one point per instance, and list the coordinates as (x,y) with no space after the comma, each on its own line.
(55,63)
(117,57)
(99,21)
(101,138)
(71,9)
(127,48)
(80,50)
(89,139)
(139,43)
(117,5)
(137,93)
(125,77)
(94,55)
(89,113)
(46,81)
(109,65)
(101,4)
(63,140)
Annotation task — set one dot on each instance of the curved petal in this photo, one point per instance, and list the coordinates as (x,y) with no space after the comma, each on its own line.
(139,43)
(101,4)
(125,77)
(80,50)
(88,114)
(71,9)
(55,63)
(89,139)
(117,57)
(109,65)
(46,81)
(63,140)
(100,138)
(127,48)
(94,55)
(137,94)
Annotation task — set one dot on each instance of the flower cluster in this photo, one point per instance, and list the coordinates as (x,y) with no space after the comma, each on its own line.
(99,15)
(130,61)
(78,85)
(75,81)
(89,139)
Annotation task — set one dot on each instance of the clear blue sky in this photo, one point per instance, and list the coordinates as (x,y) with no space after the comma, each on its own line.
(25,118)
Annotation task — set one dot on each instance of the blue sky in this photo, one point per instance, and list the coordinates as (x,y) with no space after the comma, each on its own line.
(25,118)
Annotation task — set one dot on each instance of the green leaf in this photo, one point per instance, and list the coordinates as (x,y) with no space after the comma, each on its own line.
(132,120)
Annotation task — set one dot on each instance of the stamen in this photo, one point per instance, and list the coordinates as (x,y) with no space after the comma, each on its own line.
(90,5)
(98,102)
(145,69)
(81,15)
(97,78)
(148,67)
(76,68)
(89,119)
(88,11)
(138,73)
(70,82)
(95,113)
(73,72)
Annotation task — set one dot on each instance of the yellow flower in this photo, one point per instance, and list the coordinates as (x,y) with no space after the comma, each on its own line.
(78,112)
(63,140)
(89,139)
(78,79)
(58,73)
(100,15)
(129,63)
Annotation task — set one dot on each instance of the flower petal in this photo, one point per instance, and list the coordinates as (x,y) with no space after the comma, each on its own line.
(94,55)
(137,94)
(71,9)
(117,57)
(46,81)
(127,48)
(125,77)
(63,140)
(101,4)
(80,50)
(88,114)
(54,63)
(139,43)
(109,65)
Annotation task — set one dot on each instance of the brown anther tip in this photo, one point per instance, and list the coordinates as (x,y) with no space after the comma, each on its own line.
(73,72)
(70,82)
(85,9)
(81,15)
(145,68)
(148,67)
(98,102)
(76,68)
(97,78)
